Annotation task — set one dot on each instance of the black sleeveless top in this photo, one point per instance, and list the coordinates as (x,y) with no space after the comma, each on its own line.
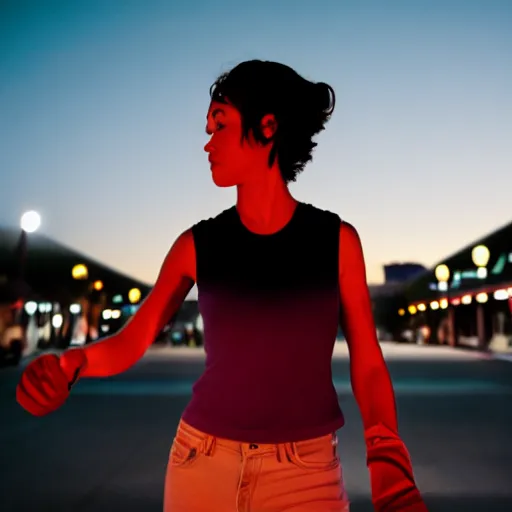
(270,308)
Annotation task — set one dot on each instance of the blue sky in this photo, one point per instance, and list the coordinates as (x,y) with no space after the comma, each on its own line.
(103,104)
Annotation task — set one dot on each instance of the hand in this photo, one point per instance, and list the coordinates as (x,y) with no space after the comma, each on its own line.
(46,382)
(391,474)
(392,489)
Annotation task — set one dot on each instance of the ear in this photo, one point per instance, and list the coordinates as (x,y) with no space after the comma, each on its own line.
(268,126)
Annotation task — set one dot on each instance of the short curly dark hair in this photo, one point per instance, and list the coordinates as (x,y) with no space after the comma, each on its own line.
(301,109)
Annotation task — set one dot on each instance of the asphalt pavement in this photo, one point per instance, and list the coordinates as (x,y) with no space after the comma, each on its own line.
(106,449)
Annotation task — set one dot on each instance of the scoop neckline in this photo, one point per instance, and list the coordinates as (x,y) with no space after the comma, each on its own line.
(292,220)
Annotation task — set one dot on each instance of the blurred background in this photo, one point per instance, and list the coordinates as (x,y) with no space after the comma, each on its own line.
(102,116)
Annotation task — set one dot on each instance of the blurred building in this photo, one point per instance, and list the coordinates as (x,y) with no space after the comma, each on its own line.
(60,296)
(48,271)
(467,301)
(388,297)
(185,327)
(402,272)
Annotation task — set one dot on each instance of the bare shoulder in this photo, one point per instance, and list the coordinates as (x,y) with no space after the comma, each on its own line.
(175,280)
(181,257)
(349,236)
(350,252)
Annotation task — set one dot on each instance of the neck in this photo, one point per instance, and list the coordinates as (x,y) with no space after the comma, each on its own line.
(265,206)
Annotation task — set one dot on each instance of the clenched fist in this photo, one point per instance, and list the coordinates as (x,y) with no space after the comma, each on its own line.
(391,474)
(46,382)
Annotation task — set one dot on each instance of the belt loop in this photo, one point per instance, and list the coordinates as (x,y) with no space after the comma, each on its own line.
(288,449)
(278,453)
(209,446)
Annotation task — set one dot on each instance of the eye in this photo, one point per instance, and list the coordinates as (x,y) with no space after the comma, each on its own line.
(219,126)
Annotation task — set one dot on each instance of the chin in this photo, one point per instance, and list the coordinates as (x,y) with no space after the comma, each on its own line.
(222,181)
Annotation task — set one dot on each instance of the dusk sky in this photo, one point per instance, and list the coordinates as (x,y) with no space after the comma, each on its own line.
(103,104)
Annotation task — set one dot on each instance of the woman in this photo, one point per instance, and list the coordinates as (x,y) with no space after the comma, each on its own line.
(275,277)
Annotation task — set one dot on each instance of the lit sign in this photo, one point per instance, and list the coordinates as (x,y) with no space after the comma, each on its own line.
(459,276)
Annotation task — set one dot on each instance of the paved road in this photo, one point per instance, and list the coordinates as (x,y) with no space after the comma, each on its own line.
(107,448)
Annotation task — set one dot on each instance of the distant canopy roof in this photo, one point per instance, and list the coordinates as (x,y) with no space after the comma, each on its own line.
(463,271)
(48,270)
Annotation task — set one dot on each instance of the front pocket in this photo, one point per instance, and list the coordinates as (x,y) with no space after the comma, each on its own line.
(182,454)
(318,454)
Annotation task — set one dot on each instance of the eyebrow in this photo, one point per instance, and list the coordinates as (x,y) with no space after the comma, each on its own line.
(214,115)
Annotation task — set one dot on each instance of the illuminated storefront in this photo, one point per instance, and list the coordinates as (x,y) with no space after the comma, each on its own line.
(466,299)
(61,294)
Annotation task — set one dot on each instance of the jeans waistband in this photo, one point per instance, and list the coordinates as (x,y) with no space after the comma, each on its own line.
(281,450)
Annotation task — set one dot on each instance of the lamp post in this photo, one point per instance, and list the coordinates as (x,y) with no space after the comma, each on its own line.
(97,301)
(480,256)
(442,273)
(92,299)
(30,222)
(79,272)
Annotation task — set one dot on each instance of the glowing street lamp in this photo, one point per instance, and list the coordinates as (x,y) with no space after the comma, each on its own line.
(134,295)
(442,274)
(80,272)
(480,256)
(30,222)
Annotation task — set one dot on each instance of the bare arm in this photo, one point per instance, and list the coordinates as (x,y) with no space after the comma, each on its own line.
(117,353)
(369,375)
(389,464)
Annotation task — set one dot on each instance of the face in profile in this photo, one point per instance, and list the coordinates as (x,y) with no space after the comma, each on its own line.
(233,161)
